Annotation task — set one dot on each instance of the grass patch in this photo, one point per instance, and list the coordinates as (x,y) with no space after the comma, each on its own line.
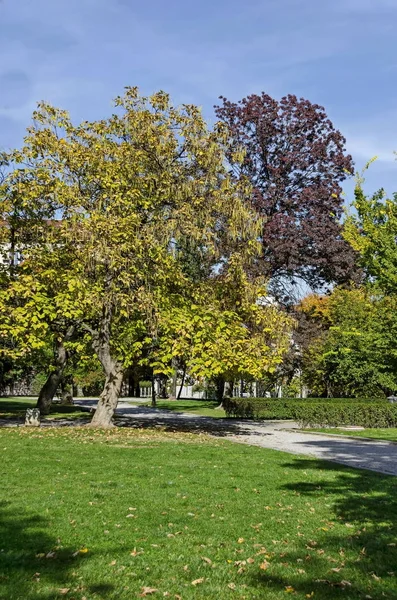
(119,514)
(15,408)
(205,408)
(389,434)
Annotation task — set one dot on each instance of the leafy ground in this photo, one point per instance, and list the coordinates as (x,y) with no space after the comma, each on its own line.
(15,408)
(379,434)
(135,513)
(205,408)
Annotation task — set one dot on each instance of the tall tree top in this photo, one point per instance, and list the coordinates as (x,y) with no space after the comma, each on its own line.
(296,162)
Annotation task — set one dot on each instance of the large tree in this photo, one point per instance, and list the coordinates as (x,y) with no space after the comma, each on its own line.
(129,190)
(296,162)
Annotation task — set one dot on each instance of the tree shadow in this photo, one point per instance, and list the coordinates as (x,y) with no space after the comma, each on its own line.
(33,564)
(356,555)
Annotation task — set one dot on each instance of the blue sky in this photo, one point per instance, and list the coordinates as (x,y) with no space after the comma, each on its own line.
(79,54)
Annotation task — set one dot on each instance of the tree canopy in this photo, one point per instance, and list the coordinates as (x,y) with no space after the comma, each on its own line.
(296,162)
(115,206)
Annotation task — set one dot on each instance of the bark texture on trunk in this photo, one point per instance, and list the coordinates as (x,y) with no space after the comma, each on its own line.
(50,387)
(113,369)
(48,391)
(109,398)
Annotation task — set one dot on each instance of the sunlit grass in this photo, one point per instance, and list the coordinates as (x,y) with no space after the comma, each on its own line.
(389,434)
(205,408)
(109,515)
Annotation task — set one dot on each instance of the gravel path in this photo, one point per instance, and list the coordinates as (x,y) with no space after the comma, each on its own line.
(277,435)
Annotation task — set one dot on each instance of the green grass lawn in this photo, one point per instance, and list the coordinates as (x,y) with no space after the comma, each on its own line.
(15,408)
(205,408)
(134,513)
(389,435)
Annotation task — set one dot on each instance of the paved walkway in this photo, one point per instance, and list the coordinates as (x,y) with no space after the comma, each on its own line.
(277,435)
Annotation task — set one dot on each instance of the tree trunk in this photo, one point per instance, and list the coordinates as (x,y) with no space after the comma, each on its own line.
(109,398)
(67,398)
(48,391)
(50,387)
(174,381)
(153,391)
(113,369)
(163,387)
(182,382)
(220,389)
(131,384)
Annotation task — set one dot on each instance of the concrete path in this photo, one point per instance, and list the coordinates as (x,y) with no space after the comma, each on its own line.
(277,435)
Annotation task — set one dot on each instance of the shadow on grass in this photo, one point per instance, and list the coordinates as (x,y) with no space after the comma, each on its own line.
(365,550)
(33,563)
(13,412)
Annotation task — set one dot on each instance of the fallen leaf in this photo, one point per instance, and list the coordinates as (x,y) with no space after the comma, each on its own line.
(264,565)
(197,581)
(148,590)
(240,540)
(250,560)
(81,551)
(207,560)
(231,586)
(289,589)
(64,591)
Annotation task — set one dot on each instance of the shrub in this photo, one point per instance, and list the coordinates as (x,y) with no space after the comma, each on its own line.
(316,412)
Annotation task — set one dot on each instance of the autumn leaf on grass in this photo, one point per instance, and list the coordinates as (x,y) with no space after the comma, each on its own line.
(81,551)
(207,560)
(264,565)
(64,591)
(240,540)
(289,589)
(197,581)
(148,590)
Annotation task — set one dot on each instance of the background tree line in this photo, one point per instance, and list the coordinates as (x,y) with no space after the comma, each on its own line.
(147,242)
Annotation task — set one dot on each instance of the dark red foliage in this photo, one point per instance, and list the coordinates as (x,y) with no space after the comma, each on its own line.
(296,162)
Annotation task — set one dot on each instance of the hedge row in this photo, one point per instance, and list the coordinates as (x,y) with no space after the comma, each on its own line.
(333,413)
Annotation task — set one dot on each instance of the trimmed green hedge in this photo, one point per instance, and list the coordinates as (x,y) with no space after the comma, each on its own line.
(315,412)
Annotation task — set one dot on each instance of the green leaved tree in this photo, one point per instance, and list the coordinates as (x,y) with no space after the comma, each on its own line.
(126,191)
